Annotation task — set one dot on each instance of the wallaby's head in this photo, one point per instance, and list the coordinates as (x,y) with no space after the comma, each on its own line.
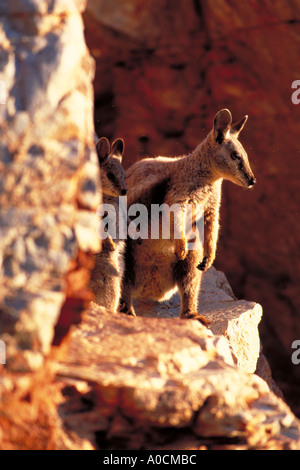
(112,172)
(230,158)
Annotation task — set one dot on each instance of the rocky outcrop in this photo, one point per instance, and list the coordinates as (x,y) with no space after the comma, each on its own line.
(237,320)
(49,187)
(156,383)
(162,73)
(109,381)
(152,382)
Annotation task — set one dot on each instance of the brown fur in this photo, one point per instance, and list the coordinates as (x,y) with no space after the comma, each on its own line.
(107,274)
(159,267)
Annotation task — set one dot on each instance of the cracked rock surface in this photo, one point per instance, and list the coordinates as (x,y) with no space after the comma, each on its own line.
(161,383)
(237,320)
(49,188)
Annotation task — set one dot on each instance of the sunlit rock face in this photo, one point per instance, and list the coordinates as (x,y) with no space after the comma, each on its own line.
(49,188)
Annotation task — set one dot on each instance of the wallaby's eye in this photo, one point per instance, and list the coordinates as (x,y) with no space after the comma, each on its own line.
(235,156)
(110,176)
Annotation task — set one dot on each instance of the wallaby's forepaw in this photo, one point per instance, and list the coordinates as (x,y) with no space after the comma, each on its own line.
(204,265)
(181,248)
(109,245)
(196,316)
(127,310)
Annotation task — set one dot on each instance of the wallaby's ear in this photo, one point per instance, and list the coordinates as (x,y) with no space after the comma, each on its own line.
(222,123)
(118,148)
(238,126)
(102,148)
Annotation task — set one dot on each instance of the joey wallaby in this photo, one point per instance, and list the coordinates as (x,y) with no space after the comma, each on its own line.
(157,268)
(107,274)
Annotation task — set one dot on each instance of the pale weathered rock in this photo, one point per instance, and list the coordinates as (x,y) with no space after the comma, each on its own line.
(263,370)
(48,168)
(143,383)
(149,381)
(237,320)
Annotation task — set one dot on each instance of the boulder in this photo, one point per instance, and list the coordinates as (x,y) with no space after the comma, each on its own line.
(118,382)
(161,383)
(236,320)
(49,188)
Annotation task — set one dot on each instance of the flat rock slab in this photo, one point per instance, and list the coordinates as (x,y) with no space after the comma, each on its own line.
(140,383)
(237,320)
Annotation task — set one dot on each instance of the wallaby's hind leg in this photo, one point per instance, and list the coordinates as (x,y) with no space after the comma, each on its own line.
(188,280)
(126,302)
(128,280)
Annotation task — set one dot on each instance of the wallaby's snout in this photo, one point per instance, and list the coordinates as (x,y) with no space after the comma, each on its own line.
(252,182)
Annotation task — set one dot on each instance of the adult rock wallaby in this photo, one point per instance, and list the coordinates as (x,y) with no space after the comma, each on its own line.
(157,268)
(107,274)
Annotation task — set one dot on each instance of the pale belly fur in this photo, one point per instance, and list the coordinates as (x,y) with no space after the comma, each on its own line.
(154,262)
